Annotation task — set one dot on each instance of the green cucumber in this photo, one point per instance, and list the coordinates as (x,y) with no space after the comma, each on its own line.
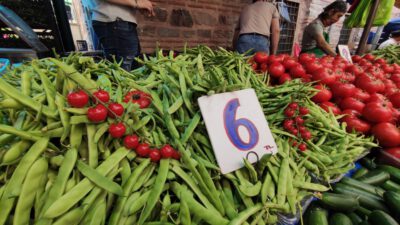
(363,213)
(366,199)
(392,200)
(381,218)
(375,177)
(363,186)
(340,219)
(355,219)
(318,216)
(359,191)
(393,171)
(391,186)
(340,202)
(360,172)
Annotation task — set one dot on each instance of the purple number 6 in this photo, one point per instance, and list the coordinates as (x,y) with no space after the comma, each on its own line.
(232,127)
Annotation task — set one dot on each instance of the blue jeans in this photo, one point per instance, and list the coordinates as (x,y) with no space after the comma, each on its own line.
(119,39)
(255,42)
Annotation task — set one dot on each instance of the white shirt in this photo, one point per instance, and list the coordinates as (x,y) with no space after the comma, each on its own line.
(388,42)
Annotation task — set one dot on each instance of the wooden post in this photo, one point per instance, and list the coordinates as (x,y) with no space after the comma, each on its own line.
(367,28)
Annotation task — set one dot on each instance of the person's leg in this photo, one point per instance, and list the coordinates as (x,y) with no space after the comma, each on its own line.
(128,44)
(108,41)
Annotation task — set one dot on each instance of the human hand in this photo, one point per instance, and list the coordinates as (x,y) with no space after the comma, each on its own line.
(147,5)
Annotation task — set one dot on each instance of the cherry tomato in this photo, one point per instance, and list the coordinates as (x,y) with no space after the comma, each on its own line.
(131,141)
(261,57)
(289,112)
(303,111)
(78,99)
(293,105)
(97,114)
(176,155)
(167,151)
(154,155)
(102,96)
(143,150)
(306,135)
(115,109)
(302,147)
(299,120)
(288,124)
(117,130)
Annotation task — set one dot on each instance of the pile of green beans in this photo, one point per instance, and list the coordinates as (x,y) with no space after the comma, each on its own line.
(391,54)
(56,167)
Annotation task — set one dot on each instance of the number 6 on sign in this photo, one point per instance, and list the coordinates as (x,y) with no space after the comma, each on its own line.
(237,128)
(232,125)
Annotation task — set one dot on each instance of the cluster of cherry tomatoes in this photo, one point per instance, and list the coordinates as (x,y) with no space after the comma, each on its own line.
(103,108)
(294,124)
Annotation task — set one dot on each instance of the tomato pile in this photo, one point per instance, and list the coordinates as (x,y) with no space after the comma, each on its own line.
(366,93)
(103,109)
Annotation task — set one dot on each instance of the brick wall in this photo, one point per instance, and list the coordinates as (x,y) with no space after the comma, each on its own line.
(209,22)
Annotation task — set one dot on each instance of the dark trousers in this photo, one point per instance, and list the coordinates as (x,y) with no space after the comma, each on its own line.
(119,39)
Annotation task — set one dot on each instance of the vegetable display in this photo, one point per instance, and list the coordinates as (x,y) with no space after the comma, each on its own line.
(135,150)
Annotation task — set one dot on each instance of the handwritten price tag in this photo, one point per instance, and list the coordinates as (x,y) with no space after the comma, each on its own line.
(237,128)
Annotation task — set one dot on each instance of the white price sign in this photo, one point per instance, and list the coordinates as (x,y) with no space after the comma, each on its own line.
(237,128)
(344,51)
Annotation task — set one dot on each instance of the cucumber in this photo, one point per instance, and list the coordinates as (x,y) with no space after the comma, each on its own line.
(360,172)
(368,163)
(359,191)
(355,219)
(363,186)
(375,177)
(318,216)
(391,186)
(363,213)
(339,202)
(393,171)
(340,219)
(365,198)
(392,200)
(381,218)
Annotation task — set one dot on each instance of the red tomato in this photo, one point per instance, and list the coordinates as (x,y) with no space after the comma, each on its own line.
(302,147)
(306,135)
(289,112)
(276,69)
(254,66)
(356,124)
(388,135)
(369,57)
(285,77)
(354,69)
(323,94)
(377,98)
(342,90)
(369,84)
(117,130)
(143,150)
(154,155)
(288,63)
(288,124)
(115,109)
(324,76)
(78,99)
(293,105)
(312,67)
(355,58)
(380,61)
(167,151)
(352,103)
(264,67)
(395,152)
(395,99)
(330,106)
(261,57)
(351,113)
(131,141)
(97,114)
(305,58)
(348,77)
(361,95)
(102,96)
(275,58)
(299,120)
(297,71)
(304,111)
(377,112)
(395,77)
(176,155)
(138,97)
(388,68)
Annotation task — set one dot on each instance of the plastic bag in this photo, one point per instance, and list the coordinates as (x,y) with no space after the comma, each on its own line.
(384,12)
(360,15)
(283,11)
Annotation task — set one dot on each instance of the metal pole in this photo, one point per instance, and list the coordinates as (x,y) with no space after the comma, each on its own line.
(367,28)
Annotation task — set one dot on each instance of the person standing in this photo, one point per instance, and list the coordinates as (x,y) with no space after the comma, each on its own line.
(393,40)
(315,37)
(258,28)
(115,22)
